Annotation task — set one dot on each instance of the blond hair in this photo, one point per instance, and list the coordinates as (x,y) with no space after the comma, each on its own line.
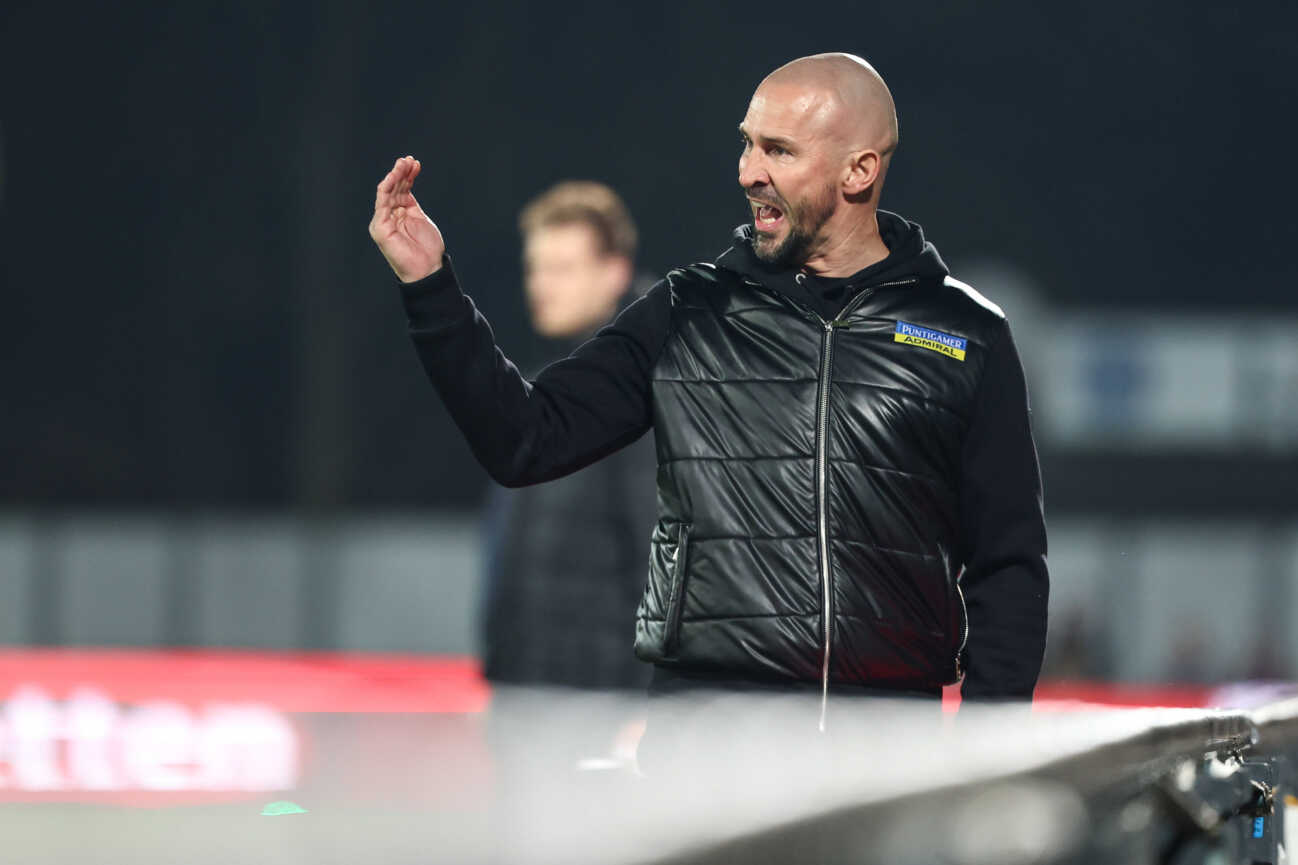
(583,202)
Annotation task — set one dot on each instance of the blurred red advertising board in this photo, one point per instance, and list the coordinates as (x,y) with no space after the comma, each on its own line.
(177,727)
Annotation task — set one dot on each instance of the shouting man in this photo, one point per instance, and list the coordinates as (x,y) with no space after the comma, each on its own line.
(848,493)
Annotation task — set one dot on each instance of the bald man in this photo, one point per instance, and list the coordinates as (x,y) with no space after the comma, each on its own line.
(848,493)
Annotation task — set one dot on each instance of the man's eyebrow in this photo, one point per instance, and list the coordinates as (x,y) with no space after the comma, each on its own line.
(777,140)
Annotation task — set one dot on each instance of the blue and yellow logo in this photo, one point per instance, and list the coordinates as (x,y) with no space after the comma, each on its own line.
(933,340)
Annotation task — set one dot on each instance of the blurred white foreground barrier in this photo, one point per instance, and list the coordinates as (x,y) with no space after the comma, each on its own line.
(740,780)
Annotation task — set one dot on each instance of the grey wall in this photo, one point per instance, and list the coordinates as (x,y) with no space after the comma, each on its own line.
(1130,600)
(394,583)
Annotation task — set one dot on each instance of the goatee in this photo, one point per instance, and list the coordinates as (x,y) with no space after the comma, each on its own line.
(804,226)
(789,252)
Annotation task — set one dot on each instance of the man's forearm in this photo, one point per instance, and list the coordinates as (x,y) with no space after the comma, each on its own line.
(486,397)
(578,410)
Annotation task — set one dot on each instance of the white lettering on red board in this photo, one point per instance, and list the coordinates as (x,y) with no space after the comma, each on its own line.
(89,742)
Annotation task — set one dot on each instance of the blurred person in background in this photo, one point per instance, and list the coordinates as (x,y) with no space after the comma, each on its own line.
(848,490)
(566,560)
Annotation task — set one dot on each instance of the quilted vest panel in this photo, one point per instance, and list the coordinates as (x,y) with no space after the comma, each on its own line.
(808,474)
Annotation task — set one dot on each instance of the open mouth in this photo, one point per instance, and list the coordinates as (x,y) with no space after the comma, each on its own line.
(766,216)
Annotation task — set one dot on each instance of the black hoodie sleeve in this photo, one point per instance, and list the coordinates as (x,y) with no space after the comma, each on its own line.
(1005,583)
(576,411)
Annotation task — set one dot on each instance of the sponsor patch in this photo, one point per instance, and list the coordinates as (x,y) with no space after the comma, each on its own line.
(933,340)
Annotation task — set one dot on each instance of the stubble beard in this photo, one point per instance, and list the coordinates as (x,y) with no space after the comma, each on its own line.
(795,248)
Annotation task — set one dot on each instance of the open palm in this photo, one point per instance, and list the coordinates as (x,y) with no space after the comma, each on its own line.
(405,235)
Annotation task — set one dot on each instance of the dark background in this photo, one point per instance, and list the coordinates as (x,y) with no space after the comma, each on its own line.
(194,314)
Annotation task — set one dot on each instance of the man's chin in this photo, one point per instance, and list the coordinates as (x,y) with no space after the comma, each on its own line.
(768,247)
(766,242)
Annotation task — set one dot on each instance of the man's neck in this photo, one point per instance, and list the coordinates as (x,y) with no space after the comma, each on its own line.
(854,247)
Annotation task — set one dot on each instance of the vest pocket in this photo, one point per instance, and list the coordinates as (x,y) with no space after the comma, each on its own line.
(676,601)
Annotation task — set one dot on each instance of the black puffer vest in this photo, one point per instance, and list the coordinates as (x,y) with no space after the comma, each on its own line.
(808,473)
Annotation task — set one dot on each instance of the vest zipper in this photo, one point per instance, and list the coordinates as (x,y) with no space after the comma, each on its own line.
(822,436)
(822,517)
(822,504)
(964,631)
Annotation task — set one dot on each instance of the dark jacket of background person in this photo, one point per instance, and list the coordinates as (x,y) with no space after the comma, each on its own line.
(566,559)
(566,566)
(958,429)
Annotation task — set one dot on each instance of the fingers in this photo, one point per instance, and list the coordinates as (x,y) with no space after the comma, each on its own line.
(383,195)
(390,180)
(409,199)
(394,188)
(393,200)
(409,168)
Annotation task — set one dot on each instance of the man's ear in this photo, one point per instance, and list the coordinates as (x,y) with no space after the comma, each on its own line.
(862,172)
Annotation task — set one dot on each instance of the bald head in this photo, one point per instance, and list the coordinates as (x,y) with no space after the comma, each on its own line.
(818,137)
(853,104)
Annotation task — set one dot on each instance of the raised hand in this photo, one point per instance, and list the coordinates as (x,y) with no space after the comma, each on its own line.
(405,235)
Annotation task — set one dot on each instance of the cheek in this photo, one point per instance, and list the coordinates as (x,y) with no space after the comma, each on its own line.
(810,194)
(567,296)
(790,185)
(541,289)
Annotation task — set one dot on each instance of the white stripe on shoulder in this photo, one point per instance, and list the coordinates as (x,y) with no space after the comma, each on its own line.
(973,294)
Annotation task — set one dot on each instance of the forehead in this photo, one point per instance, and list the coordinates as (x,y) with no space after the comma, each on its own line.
(788,110)
(567,239)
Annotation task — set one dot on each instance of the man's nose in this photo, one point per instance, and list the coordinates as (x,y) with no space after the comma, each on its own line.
(752,171)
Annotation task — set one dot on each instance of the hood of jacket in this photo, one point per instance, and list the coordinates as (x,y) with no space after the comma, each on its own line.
(910,255)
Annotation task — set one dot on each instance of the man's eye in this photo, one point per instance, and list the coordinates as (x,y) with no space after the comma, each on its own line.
(779,151)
